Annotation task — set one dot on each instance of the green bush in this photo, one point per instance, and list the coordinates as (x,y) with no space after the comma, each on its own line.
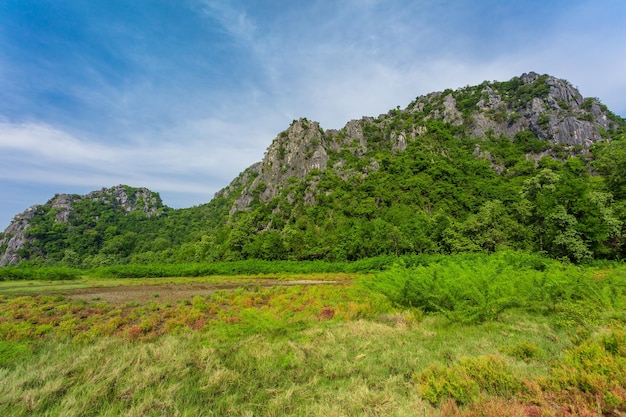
(596,366)
(35,273)
(438,382)
(525,351)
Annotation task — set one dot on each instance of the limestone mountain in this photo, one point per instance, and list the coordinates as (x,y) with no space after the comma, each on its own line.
(71,214)
(527,163)
(549,108)
(414,180)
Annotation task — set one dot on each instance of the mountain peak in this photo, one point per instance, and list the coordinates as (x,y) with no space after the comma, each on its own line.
(549,107)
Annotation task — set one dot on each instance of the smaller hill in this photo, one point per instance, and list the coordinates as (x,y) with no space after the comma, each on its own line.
(73,222)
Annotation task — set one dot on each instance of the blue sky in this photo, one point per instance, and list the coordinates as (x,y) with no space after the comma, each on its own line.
(181,95)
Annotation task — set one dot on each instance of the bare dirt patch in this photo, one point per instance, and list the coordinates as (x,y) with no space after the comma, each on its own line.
(173,292)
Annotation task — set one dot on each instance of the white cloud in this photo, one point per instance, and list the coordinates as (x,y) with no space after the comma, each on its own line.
(45,142)
(44,154)
(235,22)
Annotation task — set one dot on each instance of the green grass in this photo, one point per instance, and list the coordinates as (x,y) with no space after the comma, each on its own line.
(360,367)
(334,350)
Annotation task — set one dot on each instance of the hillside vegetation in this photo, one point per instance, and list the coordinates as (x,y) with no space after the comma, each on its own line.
(525,164)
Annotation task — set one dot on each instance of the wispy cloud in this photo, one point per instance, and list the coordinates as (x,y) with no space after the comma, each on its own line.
(40,153)
(234,21)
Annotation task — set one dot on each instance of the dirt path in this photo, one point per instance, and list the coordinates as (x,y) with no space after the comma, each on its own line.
(173,292)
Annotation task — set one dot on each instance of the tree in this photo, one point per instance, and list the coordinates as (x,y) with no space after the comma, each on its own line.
(492,228)
(565,240)
(611,163)
(538,201)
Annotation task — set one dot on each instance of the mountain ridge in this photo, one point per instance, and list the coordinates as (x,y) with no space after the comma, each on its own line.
(310,177)
(562,126)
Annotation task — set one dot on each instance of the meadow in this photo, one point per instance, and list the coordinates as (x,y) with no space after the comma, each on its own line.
(508,334)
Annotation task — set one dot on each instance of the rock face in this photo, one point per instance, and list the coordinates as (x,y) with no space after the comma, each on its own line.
(14,237)
(557,115)
(296,152)
(293,154)
(128,199)
(122,198)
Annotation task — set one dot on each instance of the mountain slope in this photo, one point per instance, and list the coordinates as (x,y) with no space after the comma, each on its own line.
(526,163)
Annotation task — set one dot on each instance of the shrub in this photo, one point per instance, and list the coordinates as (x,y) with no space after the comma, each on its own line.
(438,382)
(476,288)
(525,351)
(596,370)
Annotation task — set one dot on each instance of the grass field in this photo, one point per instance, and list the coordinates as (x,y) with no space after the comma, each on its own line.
(497,336)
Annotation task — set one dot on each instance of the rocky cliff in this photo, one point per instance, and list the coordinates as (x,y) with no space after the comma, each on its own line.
(296,151)
(549,107)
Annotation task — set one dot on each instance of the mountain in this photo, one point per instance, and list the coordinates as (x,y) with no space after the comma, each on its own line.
(526,164)
(72,215)
(549,108)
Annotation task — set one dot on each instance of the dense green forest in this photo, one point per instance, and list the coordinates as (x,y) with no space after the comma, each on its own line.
(459,182)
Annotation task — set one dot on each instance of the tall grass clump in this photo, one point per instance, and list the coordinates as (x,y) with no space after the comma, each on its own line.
(467,380)
(477,287)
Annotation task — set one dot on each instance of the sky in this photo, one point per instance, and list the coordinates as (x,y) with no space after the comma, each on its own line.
(180,96)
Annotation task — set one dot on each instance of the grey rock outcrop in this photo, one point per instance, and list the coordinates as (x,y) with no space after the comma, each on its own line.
(293,154)
(558,116)
(15,238)
(353,136)
(129,199)
(450,113)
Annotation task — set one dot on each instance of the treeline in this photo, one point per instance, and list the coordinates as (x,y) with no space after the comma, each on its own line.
(49,273)
(243,267)
(226,268)
(204,269)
